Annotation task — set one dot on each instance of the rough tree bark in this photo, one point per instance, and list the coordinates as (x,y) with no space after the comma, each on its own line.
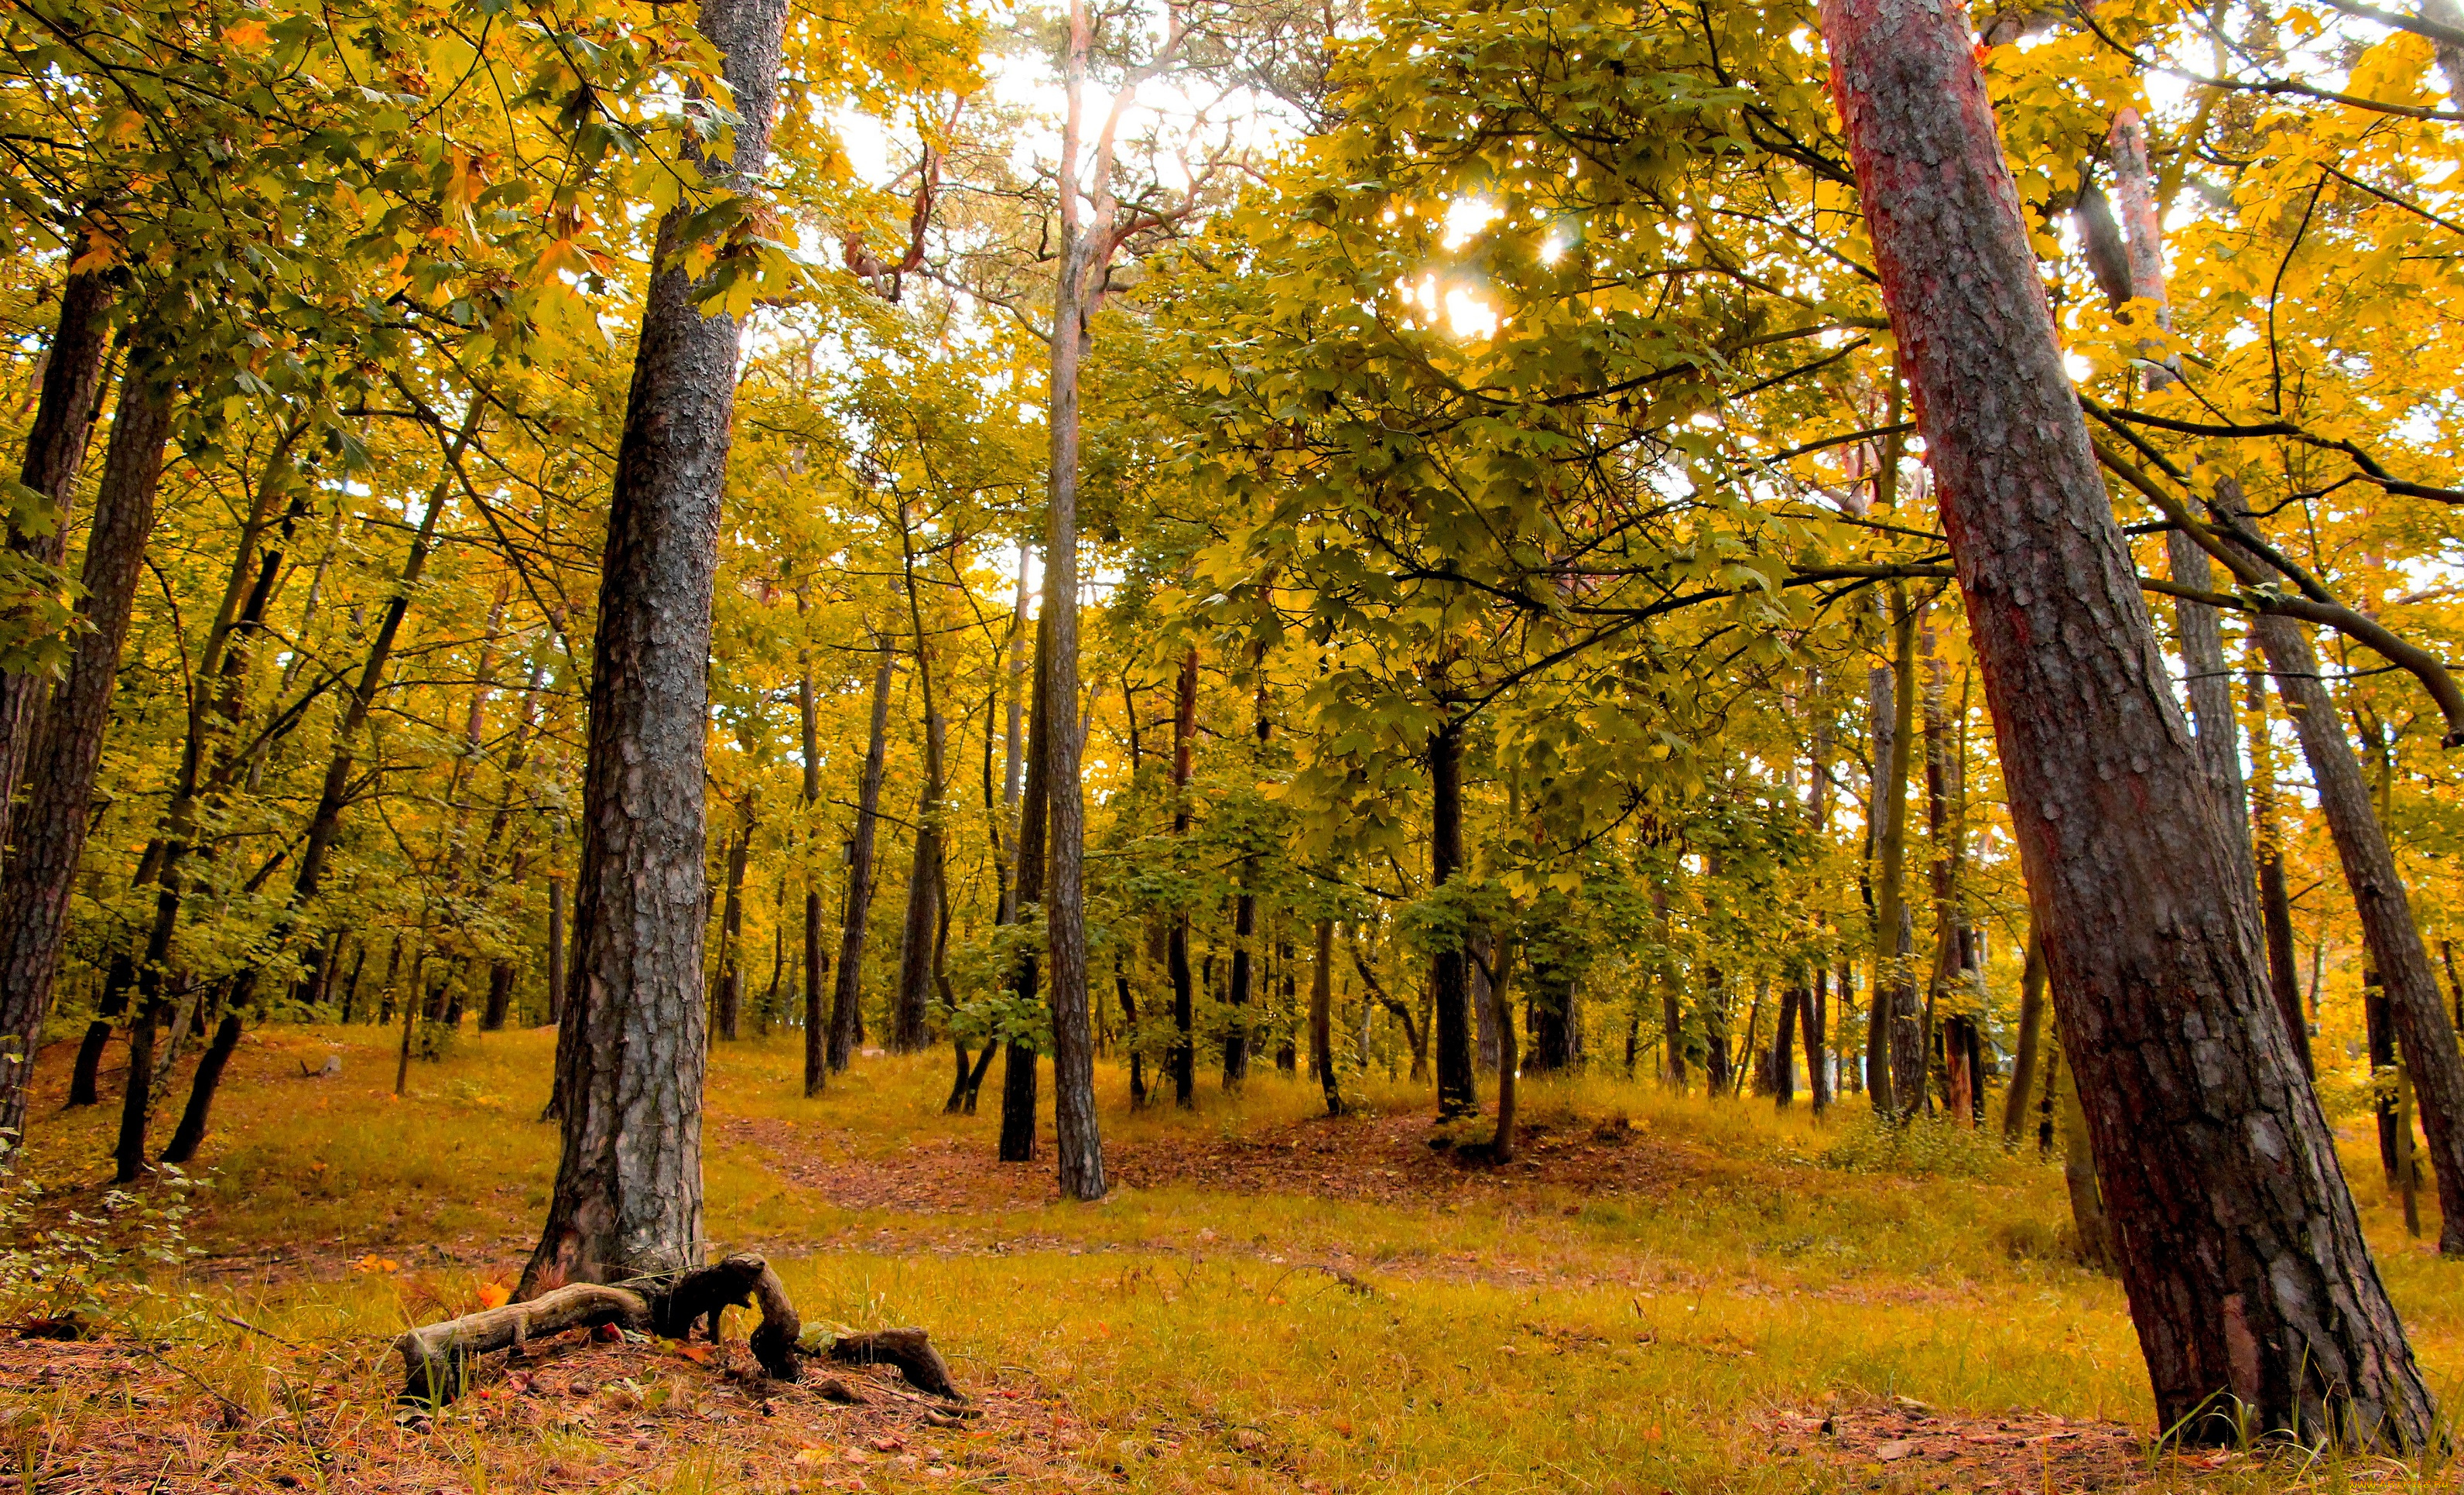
(65,407)
(2240,1251)
(847,996)
(36,880)
(627,1197)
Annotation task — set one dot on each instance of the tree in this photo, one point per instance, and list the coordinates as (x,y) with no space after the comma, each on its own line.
(627,1197)
(2244,1263)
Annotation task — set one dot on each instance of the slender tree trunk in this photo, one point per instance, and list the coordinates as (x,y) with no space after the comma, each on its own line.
(2090,1229)
(70,397)
(36,879)
(1894,1062)
(1182,1060)
(556,949)
(2241,1254)
(1080,1149)
(817,1038)
(1018,1065)
(1322,1019)
(191,1133)
(85,1076)
(908,1015)
(2032,1027)
(1449,980)
(847,998)
(1509,1060)
(628,1196)
(2414,1002)
(731,921)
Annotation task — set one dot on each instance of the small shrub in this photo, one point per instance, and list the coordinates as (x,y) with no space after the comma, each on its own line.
(85,1271)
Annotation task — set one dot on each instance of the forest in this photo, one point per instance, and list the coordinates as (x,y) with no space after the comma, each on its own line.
(1293,745)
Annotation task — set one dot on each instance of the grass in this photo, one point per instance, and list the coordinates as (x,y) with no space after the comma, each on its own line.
(1636,1312)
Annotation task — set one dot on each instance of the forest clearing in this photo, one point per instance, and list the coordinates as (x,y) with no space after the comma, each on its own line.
(1324,745)
(1668,1294)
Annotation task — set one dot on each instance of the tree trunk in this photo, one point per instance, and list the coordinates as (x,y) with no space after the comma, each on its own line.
(2240,1251)
(2414,1002)
(1080,1149)
(36,880)
(847,996)
(1895,1033)
(1018,1063)
(909,1011)
(85,1076)
(70,397)
(1322,1019)
(2090,1230)
(817,1041)
(1182,1060)
(1449,980)
(730,922)
(191,1133)
(1501,985)
(628,1198)
(2032,1029)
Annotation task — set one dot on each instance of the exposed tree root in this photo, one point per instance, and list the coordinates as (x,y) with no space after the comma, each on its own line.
(437,1359)
(910,1349)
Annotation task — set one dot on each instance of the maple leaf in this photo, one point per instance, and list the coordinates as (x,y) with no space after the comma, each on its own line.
(494,1295)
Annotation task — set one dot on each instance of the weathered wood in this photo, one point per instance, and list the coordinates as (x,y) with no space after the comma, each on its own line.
(910,1349)
(741,1282)
(437,1360)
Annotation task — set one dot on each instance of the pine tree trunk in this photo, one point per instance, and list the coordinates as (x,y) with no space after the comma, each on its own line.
(855,926)
(2240,1251)
(628,1198)
(37,878)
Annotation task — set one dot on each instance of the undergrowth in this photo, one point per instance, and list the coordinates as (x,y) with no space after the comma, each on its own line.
(1628,1306)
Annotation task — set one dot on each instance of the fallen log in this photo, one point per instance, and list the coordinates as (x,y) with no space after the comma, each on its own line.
(437,1360)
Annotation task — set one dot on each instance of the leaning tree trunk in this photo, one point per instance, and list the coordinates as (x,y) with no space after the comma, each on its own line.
(2022,1098)
(2394,941)
(2240,1250)
(627,1195)
(36,880)
(65,409)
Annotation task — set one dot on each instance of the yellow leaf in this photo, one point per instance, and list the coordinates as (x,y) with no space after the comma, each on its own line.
(494,1295)
(247,33)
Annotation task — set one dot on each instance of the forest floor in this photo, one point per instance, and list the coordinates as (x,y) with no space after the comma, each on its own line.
(1666,1294)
